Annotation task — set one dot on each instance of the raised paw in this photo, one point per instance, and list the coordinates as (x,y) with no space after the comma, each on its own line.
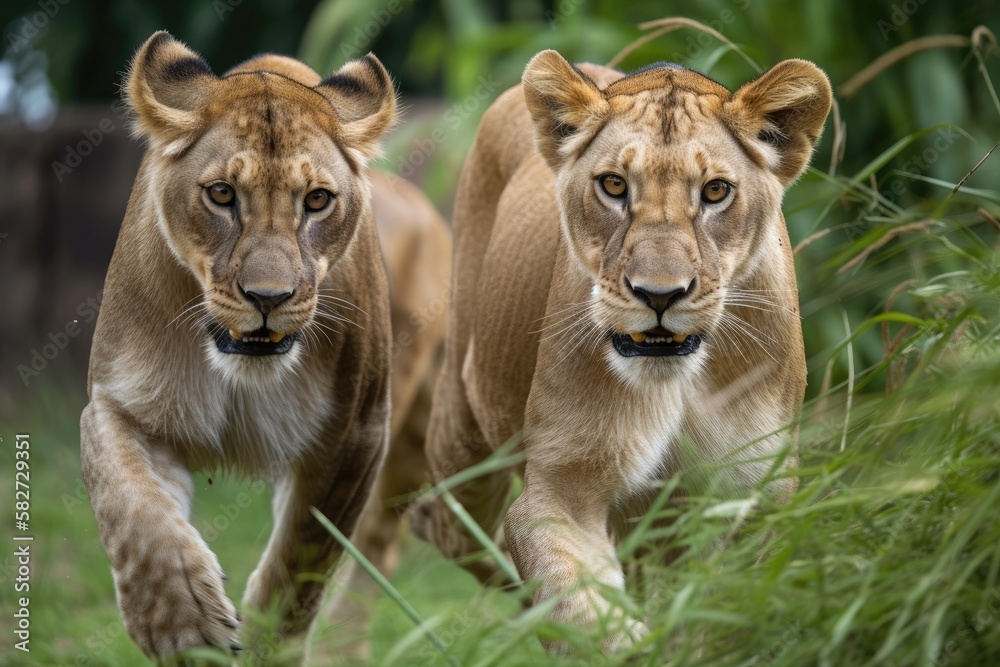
(172,598)
(631,634)
(586,608)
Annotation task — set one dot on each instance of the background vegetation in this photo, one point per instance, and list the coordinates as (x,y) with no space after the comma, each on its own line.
(890,552)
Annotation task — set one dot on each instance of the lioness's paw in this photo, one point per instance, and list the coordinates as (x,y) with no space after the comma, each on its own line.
(172,599)
(630,635)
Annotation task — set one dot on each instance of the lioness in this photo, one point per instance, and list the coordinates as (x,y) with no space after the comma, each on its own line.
(623,285)
(246,326)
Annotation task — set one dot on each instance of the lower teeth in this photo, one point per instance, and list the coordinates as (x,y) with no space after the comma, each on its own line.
(272,337)
(641,337)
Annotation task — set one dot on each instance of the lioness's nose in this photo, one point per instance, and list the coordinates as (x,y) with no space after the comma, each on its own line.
(265,301)
(659,298)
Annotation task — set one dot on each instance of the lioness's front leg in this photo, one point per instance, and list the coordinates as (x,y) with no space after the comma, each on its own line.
(292,573)
(557,533)
(169,583)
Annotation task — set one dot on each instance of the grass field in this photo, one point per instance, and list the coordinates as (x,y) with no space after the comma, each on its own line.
(889,554)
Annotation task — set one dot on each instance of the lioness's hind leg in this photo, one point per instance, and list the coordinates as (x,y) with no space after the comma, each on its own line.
(291,576)
(454,443)
(377,536)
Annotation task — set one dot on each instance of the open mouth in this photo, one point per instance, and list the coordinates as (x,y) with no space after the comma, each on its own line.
(656,342)
(257,343)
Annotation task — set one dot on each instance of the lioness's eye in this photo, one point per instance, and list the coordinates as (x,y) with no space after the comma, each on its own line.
(318,199)
(614,185)
(222,194)
(715,191)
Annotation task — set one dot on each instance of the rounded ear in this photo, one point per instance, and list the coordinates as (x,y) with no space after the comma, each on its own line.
(166,85)
(781,113)
(565,104)
(364,100)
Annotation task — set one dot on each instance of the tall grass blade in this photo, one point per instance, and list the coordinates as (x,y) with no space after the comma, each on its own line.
(384,584)
(477,532)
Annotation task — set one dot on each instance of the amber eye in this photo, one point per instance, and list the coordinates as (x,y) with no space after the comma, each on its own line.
(318,199)
(222,194)
(614,185)
(715,191)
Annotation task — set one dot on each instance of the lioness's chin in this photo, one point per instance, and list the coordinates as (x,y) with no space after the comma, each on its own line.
(640,362)
(260,343)
(252,370)
(253,359)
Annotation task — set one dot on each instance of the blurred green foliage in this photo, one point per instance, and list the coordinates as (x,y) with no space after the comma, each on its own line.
(88,43)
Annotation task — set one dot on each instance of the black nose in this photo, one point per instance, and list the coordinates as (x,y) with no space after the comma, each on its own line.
(264,300)
(659,299)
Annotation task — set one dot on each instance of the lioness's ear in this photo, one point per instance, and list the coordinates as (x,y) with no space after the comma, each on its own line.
(166,85)
(566,106)
(364,100)
(781,113)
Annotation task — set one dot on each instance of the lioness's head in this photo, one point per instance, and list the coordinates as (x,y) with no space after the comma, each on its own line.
(259,182)
(670,190)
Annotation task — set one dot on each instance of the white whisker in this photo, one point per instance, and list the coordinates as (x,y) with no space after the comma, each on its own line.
(185,308)
(337,299)
(741,326)
(564,314)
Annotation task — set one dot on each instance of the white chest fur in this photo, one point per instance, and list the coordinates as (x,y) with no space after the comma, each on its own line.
(218,411)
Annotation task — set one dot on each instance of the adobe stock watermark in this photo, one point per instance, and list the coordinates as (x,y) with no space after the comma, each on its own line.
(77,498)
(794,633)
(563,10)
(696,43)
(420,319)
(58,340)
(450,634)
(10,568)
(32,24)
(357,43)
(452,119)
(967,631)
(223,7)
(899,15)
(920,163)
(230,512)
(75,153)
(97,643)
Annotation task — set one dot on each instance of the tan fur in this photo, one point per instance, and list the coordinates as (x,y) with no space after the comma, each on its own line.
(165,401)
(544,261)
(417,249)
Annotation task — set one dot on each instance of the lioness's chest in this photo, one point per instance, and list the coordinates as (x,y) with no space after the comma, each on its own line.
(210,420)
(711,434)
(264,430)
